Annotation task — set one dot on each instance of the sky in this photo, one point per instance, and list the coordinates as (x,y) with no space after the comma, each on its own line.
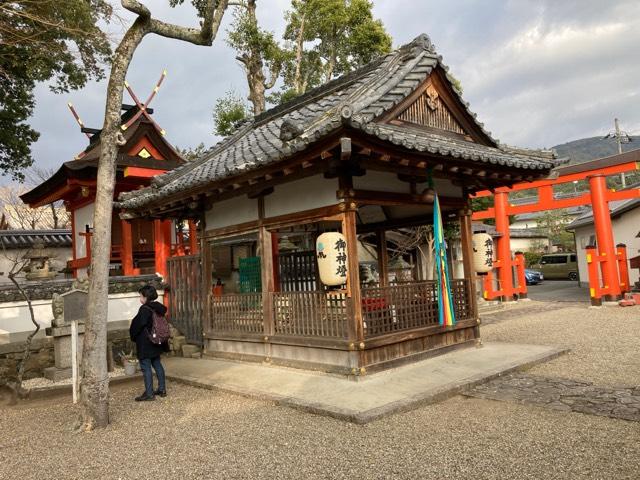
(537,72)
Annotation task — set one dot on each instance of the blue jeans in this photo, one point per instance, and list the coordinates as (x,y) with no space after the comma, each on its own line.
(145,365)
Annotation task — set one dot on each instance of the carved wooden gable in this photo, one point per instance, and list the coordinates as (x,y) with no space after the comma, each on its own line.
(429,110)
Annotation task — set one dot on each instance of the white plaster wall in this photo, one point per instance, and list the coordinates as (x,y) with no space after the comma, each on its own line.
(582,240)
(231,212)
(82,217)
(15,322)
(389,182)
(300,195)
(625,228)
(523,224)
(529,244)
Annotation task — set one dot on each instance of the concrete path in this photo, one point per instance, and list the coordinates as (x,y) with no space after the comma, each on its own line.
(558,291)
(378,395)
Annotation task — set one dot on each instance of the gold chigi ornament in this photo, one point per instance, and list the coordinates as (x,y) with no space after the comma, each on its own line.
(482,252)
(331,252)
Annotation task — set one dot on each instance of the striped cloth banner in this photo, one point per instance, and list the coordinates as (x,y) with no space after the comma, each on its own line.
(446,315)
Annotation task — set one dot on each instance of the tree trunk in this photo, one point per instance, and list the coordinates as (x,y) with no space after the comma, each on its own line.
(254,67)
(54,214)
(95,378)
(331,65)
(297,81)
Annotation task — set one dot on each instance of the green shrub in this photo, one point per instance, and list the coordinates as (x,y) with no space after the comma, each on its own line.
(531,258)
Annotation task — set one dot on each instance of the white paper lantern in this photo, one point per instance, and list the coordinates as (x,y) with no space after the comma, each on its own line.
(331,252)
(482,252)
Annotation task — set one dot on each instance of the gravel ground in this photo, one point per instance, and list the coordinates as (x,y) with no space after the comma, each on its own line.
(195,434)
(41,382)
(604,342)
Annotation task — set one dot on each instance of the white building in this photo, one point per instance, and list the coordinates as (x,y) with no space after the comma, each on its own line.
(625,222)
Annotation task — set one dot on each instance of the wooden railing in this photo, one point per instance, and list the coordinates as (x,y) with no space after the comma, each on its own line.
(462,301)
(236,313)
(408,306)
(311,314)
(327,315)
(399,307)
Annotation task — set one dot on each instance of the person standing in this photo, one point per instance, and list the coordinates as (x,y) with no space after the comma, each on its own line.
(147,351)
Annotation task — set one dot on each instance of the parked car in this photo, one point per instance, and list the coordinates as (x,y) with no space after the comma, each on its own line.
(559,265)
(533,277)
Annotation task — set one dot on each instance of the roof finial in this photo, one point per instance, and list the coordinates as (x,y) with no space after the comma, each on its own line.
(423,42)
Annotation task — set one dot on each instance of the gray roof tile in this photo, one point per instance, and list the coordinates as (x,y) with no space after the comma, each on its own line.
(368,92)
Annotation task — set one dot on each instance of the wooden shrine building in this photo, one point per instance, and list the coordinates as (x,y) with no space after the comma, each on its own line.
(139,246)
(363,155)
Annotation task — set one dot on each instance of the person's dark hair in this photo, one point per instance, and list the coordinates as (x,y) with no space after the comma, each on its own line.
(149,292)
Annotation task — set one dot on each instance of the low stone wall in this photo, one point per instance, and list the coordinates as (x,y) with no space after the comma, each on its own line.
(16,325)
(15,320)
(42,354)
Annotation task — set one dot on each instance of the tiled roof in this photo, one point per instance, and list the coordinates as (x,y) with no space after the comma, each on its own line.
(356,99)
(11,239)
(616,208)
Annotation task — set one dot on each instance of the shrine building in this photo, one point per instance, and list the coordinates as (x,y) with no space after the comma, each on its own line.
(139,246)
(363,156)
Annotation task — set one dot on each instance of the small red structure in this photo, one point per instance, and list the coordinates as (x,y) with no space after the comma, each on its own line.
(608,271)
(138,246)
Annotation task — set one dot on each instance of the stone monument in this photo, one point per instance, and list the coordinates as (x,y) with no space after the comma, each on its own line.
(67,307)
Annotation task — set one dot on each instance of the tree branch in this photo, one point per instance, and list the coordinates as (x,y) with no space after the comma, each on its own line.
(137,8)
(203,36)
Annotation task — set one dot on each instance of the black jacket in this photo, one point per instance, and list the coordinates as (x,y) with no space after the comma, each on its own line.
(140,325)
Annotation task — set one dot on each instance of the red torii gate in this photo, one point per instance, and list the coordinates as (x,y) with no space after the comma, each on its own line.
(611,258)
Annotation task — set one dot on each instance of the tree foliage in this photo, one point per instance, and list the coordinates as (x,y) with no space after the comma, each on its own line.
(42,40)
(328,38)
(192,153)
(553,223)
(228,112)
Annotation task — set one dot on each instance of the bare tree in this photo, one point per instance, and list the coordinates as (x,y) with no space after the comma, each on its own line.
(18,263)
(95,380)
(59,216)
(20,216)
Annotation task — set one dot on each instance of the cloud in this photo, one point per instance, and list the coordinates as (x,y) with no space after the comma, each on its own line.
(538,73)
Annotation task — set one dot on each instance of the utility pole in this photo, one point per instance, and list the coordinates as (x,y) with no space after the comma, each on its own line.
(617,125)
(621,137)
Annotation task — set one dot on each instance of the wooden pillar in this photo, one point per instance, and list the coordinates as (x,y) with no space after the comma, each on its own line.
(353,273)
(466,237)
(193,238)
(604,236)
(266,277)
(207,280)
(503,247)
(74,243)
(383,257)
(162,245)
(126,255)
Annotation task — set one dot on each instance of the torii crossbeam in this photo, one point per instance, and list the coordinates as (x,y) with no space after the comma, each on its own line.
(612,285)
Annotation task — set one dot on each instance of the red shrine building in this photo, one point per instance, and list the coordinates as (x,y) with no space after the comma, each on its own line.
(139,246)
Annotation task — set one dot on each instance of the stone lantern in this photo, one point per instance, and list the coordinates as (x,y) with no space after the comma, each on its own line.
(38,268)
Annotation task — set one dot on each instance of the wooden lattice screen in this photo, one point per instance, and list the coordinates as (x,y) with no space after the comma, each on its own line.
(185,296)
(298,271)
